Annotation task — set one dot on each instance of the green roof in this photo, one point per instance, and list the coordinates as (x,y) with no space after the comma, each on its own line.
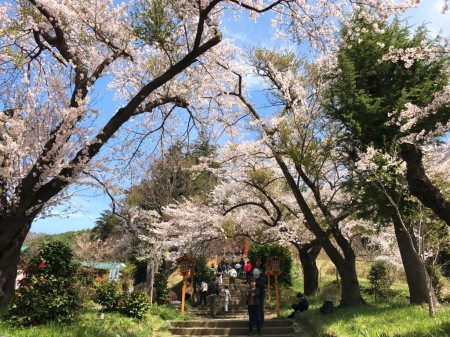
(101,265)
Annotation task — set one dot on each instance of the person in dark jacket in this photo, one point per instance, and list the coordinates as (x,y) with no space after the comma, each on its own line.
(252,302)
(301,305)
(213,292)
(260,280)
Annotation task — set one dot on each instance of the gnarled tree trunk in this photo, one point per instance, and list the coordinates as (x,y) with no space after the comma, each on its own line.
(13,231)
(308,256)
(417,277)
(420,185)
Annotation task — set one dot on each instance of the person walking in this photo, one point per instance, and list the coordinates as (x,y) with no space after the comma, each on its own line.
(213,292)
(224,299)
(203,293)
(252,301)
(232,274)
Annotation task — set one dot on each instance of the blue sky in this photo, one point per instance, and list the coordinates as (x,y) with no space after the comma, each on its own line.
(87,206)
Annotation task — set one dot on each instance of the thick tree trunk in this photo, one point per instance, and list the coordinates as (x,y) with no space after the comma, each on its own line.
(13,232)
(308,257)
(416,274)
(351,293)
(420,185)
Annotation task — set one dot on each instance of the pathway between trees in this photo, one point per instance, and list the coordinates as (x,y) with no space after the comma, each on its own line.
(232,323)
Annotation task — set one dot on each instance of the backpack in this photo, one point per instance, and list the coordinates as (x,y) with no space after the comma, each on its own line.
(213,289)
(327,307)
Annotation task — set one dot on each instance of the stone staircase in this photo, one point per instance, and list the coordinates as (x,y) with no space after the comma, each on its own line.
(232,323)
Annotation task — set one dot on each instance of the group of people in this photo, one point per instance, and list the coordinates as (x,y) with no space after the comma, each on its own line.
(213,293)
(254,297)
(225,267)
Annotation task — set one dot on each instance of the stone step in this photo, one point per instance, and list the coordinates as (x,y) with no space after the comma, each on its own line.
(230,327)
(230,331)
(220,323)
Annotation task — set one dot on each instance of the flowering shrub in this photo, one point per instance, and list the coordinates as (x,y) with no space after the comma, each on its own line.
(47,293)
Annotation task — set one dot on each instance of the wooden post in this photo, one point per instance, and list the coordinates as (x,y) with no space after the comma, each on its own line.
(277,295)
(268,287)
(183,294)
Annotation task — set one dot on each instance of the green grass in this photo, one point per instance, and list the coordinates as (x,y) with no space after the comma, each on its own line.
(395,318)
(89,323)
(392,318)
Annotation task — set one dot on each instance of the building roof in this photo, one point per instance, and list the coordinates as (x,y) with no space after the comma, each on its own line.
(101,265)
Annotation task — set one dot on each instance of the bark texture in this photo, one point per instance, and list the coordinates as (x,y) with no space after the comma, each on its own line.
(419,283)
(308,256)
(420,185)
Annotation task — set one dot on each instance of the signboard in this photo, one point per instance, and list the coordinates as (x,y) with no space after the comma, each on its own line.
(114,271)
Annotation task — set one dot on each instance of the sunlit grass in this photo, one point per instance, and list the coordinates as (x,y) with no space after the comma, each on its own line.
(92,323)
(394,317)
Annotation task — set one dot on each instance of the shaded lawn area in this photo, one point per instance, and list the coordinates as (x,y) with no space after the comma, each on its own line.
(394,318)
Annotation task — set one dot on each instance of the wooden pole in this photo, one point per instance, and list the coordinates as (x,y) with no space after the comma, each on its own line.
(268,288)
(277,295)
(183,293)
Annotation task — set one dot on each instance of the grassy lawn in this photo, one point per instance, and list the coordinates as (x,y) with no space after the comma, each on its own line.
(89,323)
(392,318)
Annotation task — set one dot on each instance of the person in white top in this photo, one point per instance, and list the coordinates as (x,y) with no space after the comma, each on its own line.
(203,293)
(224,298)
(232,274)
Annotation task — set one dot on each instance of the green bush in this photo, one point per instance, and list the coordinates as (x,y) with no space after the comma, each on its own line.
(134,304)
(107,294)
(160,285)
(265,251)
(379,280)
(437,279)
(47,293)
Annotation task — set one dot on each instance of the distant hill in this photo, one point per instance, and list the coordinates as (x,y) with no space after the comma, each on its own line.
(34,240)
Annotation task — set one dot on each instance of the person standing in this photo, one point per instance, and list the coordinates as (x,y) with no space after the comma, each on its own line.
(188,292)
(241,271)
(213,270)
(213,292)
(203,293)
(252,301)
(248,271)
(260,280)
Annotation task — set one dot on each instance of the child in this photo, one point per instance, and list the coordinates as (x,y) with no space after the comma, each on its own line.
(224,298)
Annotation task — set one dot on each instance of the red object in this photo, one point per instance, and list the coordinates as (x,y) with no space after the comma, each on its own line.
(42,264)
(246,247)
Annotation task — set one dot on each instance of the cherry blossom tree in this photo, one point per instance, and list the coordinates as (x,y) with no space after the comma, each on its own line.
(253,195)
(56,59)
(304,145)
